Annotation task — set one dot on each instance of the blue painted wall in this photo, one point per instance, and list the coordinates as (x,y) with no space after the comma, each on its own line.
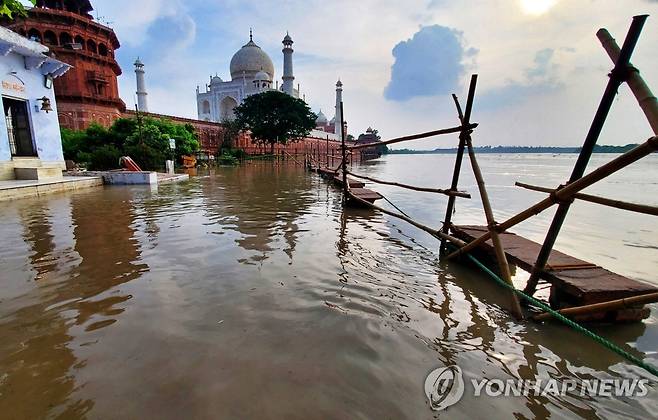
(45,127)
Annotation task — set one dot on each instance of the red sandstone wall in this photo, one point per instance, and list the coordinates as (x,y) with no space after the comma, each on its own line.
(88,92)
(210,136)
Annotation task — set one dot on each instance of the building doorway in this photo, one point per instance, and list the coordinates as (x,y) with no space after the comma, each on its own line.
(18,127)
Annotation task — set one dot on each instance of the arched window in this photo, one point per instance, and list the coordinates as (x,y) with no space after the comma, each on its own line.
(80,40)
(206,107)
(102,50)
(34,35)
(227,107)
(65,39)
(91,46)
(50,38)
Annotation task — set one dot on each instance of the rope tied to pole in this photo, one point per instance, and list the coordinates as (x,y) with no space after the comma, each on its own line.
(570,323)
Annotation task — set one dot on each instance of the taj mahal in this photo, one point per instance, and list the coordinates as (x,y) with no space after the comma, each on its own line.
(252,72)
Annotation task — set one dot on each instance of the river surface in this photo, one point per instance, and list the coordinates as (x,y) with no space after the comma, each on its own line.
(248,292)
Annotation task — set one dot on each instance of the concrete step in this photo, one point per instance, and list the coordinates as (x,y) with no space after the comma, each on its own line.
(38,173)
(26,162)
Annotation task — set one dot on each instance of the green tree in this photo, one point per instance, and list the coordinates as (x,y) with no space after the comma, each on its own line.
(230,134)
(10,8)
(275,117)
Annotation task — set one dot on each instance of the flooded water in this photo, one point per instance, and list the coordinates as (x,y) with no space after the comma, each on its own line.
(248,292)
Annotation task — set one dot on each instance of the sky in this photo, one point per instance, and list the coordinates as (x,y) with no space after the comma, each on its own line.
(541,68)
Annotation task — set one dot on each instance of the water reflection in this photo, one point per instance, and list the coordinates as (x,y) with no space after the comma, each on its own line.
(263,201)
(72,265)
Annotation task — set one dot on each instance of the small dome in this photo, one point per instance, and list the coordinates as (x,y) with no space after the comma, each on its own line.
(369,130)
(333,121)
(287,38)
(249,60)
(262,76)
(321,119)
(215,80)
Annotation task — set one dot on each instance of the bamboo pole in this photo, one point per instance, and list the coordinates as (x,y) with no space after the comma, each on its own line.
(503,265)
(617,77)
(292,157)
(645,98)
(436,233)
(600,307)
(464,120)
(343,163)
(451,130)
(622,205)
(567,192)
(411,187)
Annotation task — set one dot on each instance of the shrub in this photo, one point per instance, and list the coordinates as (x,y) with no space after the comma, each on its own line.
(104,158)
(147,143)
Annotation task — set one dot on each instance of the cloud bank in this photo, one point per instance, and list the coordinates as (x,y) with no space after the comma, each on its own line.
(428,64)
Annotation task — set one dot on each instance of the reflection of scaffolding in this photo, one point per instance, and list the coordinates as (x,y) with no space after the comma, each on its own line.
(579,289)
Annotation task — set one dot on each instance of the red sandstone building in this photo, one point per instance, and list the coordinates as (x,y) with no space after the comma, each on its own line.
(89,91)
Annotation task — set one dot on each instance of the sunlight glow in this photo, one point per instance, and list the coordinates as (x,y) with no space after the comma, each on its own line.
(537,7)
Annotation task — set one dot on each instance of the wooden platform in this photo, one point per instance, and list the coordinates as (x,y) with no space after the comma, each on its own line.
(366,194)
(326,172)
(353,183)
(574,282)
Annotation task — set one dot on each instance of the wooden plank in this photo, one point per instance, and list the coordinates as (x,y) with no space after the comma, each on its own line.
(352,182)
(366,194)
(577,280)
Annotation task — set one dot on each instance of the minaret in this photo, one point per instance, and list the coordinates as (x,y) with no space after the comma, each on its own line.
(288,78)
(339,99)
(142,104)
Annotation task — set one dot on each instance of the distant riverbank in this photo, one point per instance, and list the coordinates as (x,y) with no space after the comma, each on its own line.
(516,149)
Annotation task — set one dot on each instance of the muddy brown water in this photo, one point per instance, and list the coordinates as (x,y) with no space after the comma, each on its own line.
(247,292)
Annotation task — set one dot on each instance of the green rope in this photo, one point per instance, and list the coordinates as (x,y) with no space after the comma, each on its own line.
(606,343)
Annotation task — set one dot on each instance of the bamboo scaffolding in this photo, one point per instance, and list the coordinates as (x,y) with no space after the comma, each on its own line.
(567,192)
(293,158)
(451,130)
(411,187)
(602,307)
(645,98)
(622,205)
(617,77)
(503,265)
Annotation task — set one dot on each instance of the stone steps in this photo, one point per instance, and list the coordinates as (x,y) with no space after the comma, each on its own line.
(38,173)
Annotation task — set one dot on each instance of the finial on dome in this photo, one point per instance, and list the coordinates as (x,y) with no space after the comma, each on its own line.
(251,35)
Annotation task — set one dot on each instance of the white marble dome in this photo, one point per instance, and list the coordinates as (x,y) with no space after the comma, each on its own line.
(262,76)
(322,119)
(250,60)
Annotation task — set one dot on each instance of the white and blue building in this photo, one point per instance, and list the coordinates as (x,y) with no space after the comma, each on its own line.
(30,139)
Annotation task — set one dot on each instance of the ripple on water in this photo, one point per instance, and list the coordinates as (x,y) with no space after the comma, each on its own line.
(254,281)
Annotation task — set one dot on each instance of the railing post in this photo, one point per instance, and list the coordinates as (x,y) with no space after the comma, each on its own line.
(458,161)
(618,75)
(344,154)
